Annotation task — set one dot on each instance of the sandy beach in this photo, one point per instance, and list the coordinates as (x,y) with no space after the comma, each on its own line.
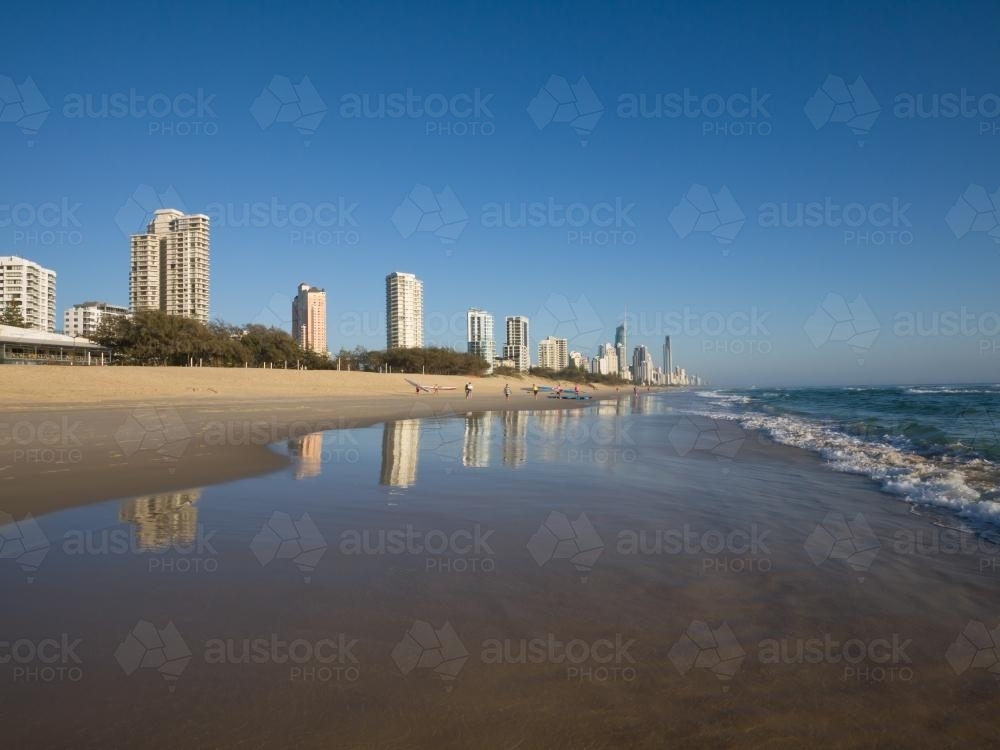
(74,435)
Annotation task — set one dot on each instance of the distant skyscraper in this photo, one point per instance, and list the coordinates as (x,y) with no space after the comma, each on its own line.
(170,265)
(309,319)
(404,311)
(553,353)
(30,288)
(668,365)
(642,365)
(621,346)
(479,335)
(518,342)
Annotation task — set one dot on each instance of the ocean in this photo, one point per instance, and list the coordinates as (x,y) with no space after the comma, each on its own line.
(937,447)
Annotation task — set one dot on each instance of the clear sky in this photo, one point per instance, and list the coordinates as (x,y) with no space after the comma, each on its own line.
(657,255)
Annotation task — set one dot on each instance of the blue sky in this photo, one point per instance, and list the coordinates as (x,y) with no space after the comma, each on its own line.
(226,156)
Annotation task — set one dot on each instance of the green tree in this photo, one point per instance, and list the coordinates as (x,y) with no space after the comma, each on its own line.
(11,315)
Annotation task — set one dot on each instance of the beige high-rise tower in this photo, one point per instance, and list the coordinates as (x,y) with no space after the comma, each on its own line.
(170,265)
(309,319)
(404,311)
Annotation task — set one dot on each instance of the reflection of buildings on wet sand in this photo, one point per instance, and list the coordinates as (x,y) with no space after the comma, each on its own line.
(514,438)
(400,452)
(308,450)
(163,520)
(476,445)
(549,435)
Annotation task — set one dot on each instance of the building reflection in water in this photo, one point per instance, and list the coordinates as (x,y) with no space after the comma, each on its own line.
(163,520)
(400,452)
(308,452)
(514,438)
(476,445)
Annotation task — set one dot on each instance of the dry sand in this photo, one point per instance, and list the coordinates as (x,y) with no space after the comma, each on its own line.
(28,386)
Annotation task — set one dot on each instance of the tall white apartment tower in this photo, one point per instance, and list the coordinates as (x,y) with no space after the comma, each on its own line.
(553,353)
(518,343)
(481,340)
(668,360)
(170,265)
(404,311)
(309,319)
(31,288)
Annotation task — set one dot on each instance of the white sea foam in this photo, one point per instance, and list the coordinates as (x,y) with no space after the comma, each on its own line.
(919,480)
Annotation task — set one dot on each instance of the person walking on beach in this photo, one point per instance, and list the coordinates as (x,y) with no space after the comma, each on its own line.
(468,390)
(576,390)
(534,390)
(635,390)
(506,391)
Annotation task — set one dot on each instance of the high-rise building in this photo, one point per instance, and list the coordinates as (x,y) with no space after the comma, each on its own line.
(309,319)
(31,289)
(84,319)
(642,365)
(606,361)
(668,366)
(170,265)
(479,335)
(404,311)
(553,353)
(621,347)
(518,342)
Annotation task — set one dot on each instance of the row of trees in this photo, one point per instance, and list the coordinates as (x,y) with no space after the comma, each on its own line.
(154,338)
(432,360)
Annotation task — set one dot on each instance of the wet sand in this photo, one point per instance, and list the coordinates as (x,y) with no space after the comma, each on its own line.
(507,473)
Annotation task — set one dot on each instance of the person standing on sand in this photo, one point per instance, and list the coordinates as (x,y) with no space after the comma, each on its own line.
(534,390)
(576,390)
(468,390)
(506,391)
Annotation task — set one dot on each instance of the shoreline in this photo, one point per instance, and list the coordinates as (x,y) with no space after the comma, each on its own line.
(57,455)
